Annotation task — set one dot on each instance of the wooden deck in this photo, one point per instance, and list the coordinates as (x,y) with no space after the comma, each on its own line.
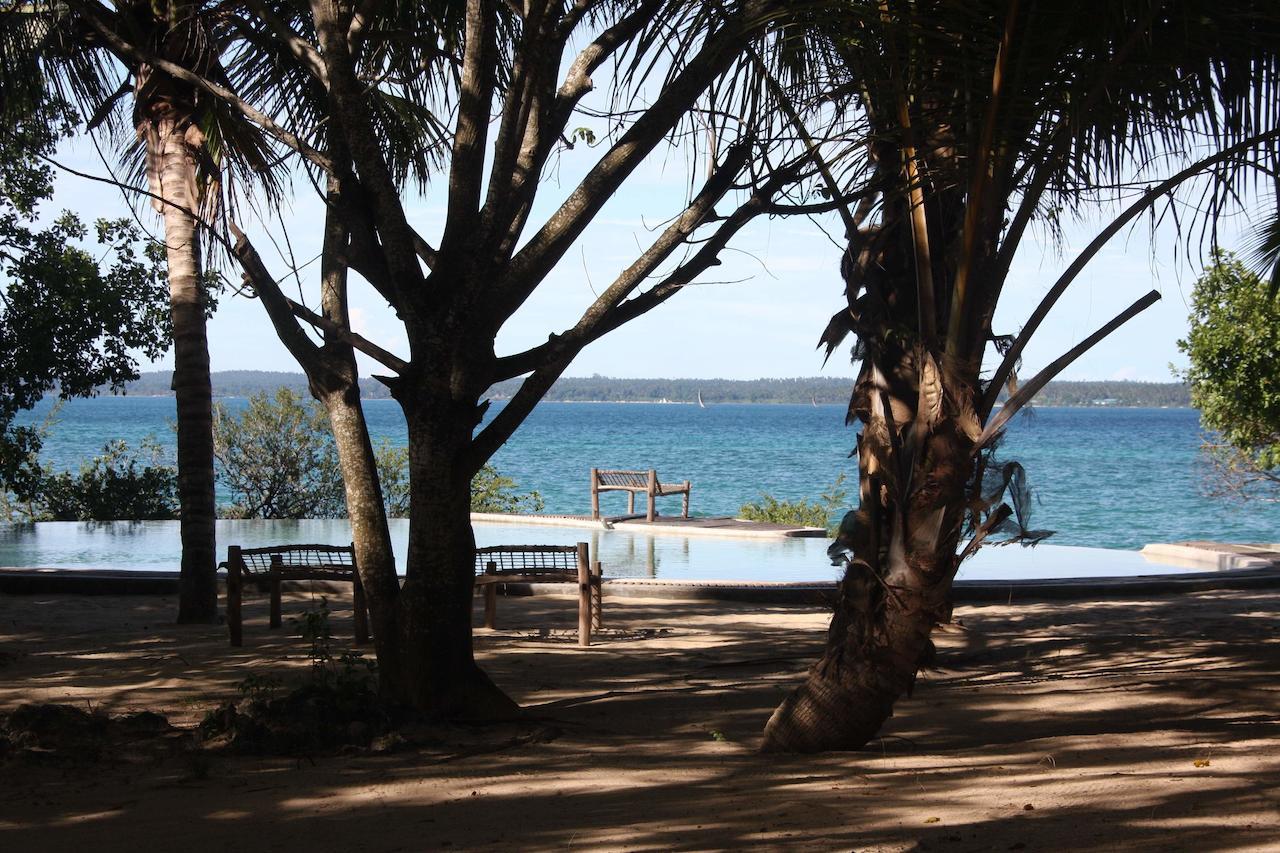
(663,525)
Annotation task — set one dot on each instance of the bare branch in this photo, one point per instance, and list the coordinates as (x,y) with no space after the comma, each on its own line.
(609,311)
(1031,388)
(544,249)
(344,334)
(475,97)
(1143,203)
(352,116)
(532,125)
(291,334)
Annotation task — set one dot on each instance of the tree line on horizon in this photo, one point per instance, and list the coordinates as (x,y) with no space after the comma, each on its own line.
(824,390)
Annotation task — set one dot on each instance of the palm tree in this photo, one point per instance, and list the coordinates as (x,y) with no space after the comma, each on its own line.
(190,145)
(978,120)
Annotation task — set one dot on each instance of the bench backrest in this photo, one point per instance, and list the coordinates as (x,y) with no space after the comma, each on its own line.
(528,559)
(339,559)
(628,479)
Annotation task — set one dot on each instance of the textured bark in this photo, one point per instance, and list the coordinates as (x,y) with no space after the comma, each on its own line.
(915,464)
(441,672)
(171,154)
(369,532)
(879,634)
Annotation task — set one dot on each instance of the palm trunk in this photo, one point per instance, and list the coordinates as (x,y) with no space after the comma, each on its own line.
(172,173)
(897,585)
(915,464)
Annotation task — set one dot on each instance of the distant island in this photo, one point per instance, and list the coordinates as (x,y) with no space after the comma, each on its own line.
(816,389)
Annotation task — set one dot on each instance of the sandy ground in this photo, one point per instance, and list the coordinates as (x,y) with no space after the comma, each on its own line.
(1122,725)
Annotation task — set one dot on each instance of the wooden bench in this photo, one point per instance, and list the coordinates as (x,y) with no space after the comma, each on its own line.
(271,565)
(504,564)
(632,482)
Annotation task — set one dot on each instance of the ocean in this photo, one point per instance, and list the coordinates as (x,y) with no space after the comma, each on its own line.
(1101,477)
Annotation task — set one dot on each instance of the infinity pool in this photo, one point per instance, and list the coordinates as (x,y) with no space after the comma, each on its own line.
(155,545)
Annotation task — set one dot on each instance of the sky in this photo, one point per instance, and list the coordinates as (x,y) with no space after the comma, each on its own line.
(759,314)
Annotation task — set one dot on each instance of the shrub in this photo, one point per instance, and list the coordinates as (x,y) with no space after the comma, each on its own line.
(825,511)
(119,484)
(279,460)
(493,492)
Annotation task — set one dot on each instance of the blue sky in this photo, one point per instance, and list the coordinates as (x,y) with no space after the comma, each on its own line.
(757,315)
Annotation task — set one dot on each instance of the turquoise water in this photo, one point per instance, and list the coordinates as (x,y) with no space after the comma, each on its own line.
(155,545)
(1103,477)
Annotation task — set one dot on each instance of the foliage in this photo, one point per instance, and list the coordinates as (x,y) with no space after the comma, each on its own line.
(119,484)
(67,322)
(392,463)
(825,511)
(349,673)
(336,702)
(494,492)
(27,507)
(1233,343)
(278,459)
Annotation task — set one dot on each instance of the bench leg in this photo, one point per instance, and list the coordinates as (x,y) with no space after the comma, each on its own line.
(686,498)
(275,601)
(235,592)
(361,612)
(597,597)
(491,605)
(653,493)
(584,596)
(491,597)
(595,495)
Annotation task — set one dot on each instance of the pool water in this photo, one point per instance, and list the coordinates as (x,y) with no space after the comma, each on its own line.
(155,546)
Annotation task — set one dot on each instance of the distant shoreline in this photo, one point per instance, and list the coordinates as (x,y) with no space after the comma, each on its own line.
(817,390)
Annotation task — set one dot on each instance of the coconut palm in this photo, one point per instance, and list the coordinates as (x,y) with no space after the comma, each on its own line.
(980,120)
(188,146)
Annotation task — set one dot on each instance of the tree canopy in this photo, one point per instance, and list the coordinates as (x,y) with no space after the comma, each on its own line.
(68,322)
(1234,348)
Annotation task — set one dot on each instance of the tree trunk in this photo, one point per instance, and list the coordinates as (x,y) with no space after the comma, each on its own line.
(441,674)
(369,531)
(915,465)
(171,161)
(896,587)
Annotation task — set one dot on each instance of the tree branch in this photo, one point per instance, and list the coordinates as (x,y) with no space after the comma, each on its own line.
(475,98)
(602,318)
(1031,388)
(344,334)
(304,350)
(672,237)
(1047,302)
(349,110)
(285,312)
(544,249)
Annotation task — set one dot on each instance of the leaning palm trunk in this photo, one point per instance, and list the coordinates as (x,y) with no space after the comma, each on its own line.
(171,147)
(916,465)
(896,587)
(980,119)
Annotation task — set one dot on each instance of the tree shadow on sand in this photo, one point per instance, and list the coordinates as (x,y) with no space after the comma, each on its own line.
(1145,725)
